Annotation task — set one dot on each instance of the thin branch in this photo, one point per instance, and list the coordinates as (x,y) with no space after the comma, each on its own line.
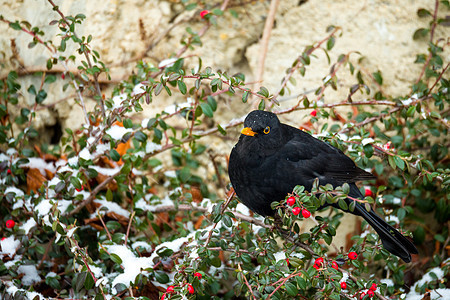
(265,44)
(246,282)
(92,195)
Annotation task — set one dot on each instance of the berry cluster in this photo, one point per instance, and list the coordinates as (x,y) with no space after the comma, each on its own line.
(190,289)
(297,210)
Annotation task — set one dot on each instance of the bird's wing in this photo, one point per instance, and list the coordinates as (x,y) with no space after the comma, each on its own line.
(307,158)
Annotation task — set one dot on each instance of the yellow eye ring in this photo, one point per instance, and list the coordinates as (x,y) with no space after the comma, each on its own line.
(266,130)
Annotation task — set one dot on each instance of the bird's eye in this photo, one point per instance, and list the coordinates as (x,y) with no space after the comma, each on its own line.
(266,130)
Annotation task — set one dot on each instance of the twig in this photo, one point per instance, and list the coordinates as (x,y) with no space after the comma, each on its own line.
(221,212)
(129,226)
(282,281)
(246,282)
(92,195)
(88,268)
(265,44)
(104,225)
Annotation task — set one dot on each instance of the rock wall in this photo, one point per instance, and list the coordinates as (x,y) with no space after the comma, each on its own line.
(381,31)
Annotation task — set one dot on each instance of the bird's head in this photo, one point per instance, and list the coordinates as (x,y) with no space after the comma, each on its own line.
(262,127)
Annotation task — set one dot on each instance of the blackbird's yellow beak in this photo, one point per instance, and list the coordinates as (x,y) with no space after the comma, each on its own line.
(248,131)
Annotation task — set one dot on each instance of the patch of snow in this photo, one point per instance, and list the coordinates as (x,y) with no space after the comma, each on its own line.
(117,132)
(132,265)
(28,225)
(113,207)
(9,246)
(138,89)
(16,191)
(117,101)
(152,147)
(31,275)
(166,63)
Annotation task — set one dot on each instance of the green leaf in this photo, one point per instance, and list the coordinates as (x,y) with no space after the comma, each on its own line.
(342,204)
(330,43)
(109,195)
(221,130)
(212,102)
(158,88)
(161,277)
(207,109)
(32,90)
(411,111)
(75,182)
(392,162)
(262,104)
(60,186)
(40,97)
(140,136)
(245,96)
(89,282)
(368,150)
(15,25)
(399,162)
(263,92)
(78,281)
(291,289)
(115,156)
(182,87)
(421,12)
(420,33)
(115,258)
(440,238)
(127,123)
(378,78)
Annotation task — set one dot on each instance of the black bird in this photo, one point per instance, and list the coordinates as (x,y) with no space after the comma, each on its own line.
(271,158)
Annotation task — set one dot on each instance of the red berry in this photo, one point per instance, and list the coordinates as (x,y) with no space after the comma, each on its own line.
(287,261)
(373,287)
(362,295)
(352,255)
(290,201)
(343,285)
(368,193)
(3,238)
(313,113)
(63,76)
(316,267)
(334,265)
(170,289)
(296,210)
(370,293)
(9,172)
(203,13)
(306,214)
(318,261)
(10,224)
(163,296)
(190,289)
(198,275)
(79,190)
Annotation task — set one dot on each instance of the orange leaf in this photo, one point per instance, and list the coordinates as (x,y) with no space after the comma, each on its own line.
(34,180)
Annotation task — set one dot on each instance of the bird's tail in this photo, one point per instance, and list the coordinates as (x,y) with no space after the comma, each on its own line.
(393,241)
